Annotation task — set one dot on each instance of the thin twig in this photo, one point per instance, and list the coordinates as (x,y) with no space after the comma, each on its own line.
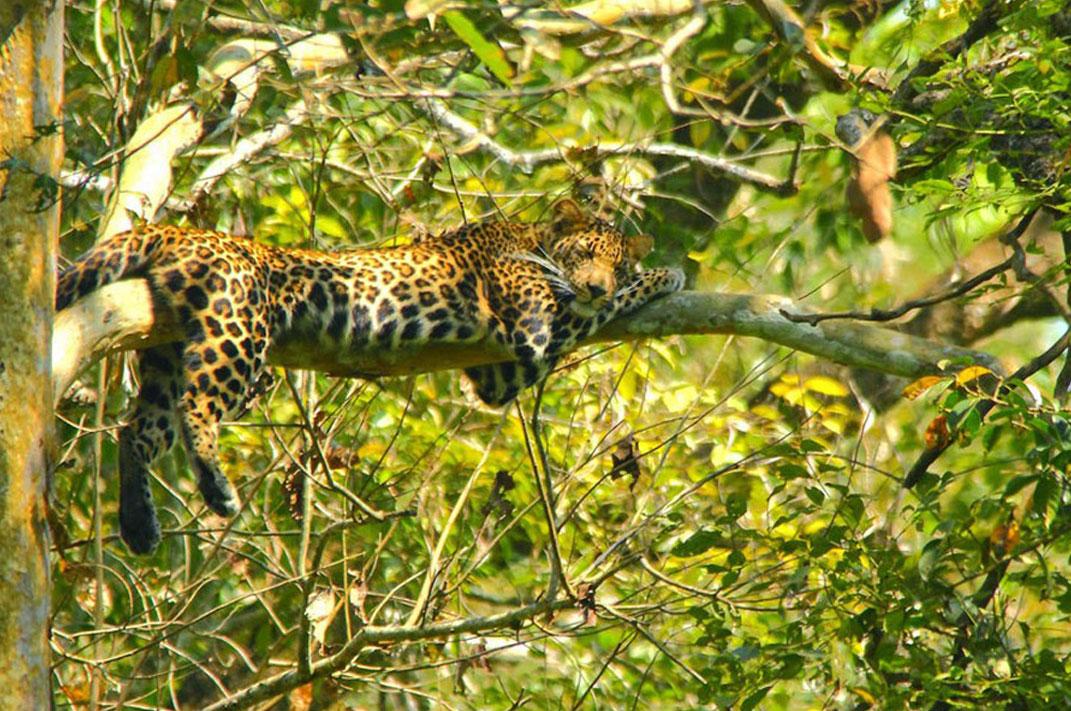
(537,456)
(339,661)
(416,617)
(959,290)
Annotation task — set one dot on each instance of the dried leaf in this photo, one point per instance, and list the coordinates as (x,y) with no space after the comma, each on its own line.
(825,385)
(586,602)
(358,594)
(937,434)
(1004,538)
(339,457)
(625,460)
(321,611)
(869,196)
(293,490)
(77,694)
(301,698)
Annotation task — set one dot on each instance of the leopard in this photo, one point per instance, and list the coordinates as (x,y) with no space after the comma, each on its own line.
(537,289)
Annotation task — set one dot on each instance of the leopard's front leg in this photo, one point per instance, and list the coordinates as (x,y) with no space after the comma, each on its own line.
(649,285)
(538,343)
(529,340)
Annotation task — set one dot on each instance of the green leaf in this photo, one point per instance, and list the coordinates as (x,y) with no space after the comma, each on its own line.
(791,665)
(931,552)
(791,470)
(699,542)
(754,699)
(1016,484)
(488,52)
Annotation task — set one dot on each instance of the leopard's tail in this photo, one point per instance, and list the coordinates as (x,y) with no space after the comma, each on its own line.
(117,257)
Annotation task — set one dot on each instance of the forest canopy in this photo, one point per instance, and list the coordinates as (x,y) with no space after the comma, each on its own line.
(837,476)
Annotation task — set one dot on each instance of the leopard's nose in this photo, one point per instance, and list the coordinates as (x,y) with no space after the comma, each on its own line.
(596,291)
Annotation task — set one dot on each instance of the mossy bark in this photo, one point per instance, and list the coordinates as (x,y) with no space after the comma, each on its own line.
(31,66)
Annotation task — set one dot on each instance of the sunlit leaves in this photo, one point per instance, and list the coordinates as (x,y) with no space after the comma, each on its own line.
(488,52)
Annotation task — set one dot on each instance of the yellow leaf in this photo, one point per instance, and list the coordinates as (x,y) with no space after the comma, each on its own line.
(835,425)
(865,695)
(913,390)
(972,372)
(680,399)
(627,385)
(699,85)
(837,408)
(767,412)
(826,386)
(789,393)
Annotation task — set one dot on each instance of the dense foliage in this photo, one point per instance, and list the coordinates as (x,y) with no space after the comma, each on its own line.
(730,515)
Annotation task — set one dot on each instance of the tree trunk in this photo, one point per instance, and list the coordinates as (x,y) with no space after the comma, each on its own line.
(31,150)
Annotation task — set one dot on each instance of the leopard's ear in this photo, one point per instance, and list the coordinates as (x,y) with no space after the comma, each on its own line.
(567,216)
(639,246)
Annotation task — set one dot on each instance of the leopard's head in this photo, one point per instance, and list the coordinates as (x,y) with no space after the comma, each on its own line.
(596,258)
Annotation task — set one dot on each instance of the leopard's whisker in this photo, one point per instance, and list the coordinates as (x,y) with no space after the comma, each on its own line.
(549,267)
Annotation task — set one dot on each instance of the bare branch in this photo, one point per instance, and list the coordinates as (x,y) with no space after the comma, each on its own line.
(244,151)
(146,180)
(592,15)
(528,160)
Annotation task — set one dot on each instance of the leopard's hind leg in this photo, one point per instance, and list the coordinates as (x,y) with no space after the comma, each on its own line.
(149,432)
(221,369)
(499,383)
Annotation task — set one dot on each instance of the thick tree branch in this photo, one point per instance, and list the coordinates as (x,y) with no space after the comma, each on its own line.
(146,180)
(121,317)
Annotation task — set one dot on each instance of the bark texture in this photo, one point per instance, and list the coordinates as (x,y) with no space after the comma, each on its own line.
(31,66)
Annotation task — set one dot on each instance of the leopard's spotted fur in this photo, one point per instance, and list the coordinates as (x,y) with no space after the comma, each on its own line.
(536,288)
